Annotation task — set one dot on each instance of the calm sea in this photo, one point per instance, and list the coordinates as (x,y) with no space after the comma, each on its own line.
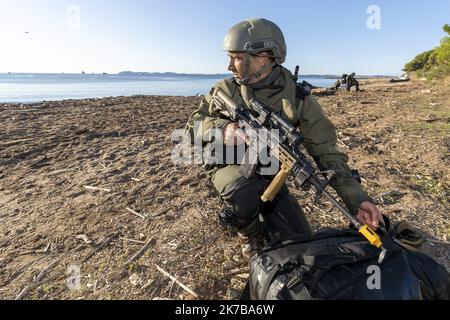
(27,88)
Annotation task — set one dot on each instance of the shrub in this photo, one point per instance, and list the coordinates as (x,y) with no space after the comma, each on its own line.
(434,63)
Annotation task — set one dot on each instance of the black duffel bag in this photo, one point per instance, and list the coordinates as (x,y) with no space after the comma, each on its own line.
(341,264)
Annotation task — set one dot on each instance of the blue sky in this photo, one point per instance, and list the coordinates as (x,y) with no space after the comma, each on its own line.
(323,36)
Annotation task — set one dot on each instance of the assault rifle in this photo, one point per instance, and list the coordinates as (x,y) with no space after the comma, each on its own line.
(284,146)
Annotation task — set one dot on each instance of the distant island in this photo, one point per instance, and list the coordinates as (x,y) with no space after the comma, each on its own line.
(187,75)
(174,74)
(228,75)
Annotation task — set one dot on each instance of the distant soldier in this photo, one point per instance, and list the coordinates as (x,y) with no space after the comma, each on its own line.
(351,81)
(341,81)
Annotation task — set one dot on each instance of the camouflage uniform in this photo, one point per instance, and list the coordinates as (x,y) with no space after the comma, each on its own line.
(351,81)
(284,217)
(340,82)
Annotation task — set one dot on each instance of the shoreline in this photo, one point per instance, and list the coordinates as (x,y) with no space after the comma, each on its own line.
(63,101)
(46,92)
(33,103)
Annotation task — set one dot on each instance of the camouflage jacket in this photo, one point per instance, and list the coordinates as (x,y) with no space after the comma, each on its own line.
(303,112)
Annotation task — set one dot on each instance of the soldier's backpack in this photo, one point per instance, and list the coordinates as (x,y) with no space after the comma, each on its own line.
(340,264)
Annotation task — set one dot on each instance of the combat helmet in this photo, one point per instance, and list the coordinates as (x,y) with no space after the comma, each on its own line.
(257,35)
(254,36)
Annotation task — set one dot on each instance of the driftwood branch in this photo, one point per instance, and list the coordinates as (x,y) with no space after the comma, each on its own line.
(140,252)
(343,144)
(135,213)
(437,119)
(176,280)
(36,281)
(238,271)
(23,110)
(104,167)
(132,240)
(97,189)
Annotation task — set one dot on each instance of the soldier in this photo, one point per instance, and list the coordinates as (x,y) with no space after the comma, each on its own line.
(351,81)
(257,50)
(341,81)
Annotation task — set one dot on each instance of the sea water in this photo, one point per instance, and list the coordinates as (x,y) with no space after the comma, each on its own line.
(29,87)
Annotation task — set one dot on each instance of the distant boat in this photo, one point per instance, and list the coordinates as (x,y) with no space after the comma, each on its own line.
(104,73)
(82,72)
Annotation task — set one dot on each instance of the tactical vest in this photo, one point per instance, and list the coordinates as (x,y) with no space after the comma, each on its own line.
(287,100)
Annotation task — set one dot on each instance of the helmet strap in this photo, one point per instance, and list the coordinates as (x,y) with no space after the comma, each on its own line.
(259,73)
(246,79)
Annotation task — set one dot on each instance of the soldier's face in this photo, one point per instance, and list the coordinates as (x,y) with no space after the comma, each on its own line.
(237,65)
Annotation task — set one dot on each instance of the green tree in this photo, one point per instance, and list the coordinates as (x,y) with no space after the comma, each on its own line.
(434,63)
(419,62)
(446,29)
(443,51)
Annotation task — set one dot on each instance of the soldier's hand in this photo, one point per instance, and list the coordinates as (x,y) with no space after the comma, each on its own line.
(369,214)
(233,135)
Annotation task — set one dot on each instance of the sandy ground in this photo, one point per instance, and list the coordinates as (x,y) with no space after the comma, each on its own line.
(54,225)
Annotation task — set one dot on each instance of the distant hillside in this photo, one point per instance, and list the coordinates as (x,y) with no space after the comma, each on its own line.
(228,75)
(434,63)
(174,75)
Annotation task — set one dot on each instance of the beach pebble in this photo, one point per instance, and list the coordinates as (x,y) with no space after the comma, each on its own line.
(84,238)
(135,280)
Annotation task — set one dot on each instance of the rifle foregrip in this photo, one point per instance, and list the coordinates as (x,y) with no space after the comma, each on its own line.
(275,187)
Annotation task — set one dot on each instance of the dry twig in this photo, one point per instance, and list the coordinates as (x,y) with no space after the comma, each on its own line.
(135,213)
(140,252)
(97,189)
(177,281)
(132,240)
(36,281)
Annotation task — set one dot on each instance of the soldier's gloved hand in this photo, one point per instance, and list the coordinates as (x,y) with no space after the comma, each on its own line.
(233,135)
(369,214)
